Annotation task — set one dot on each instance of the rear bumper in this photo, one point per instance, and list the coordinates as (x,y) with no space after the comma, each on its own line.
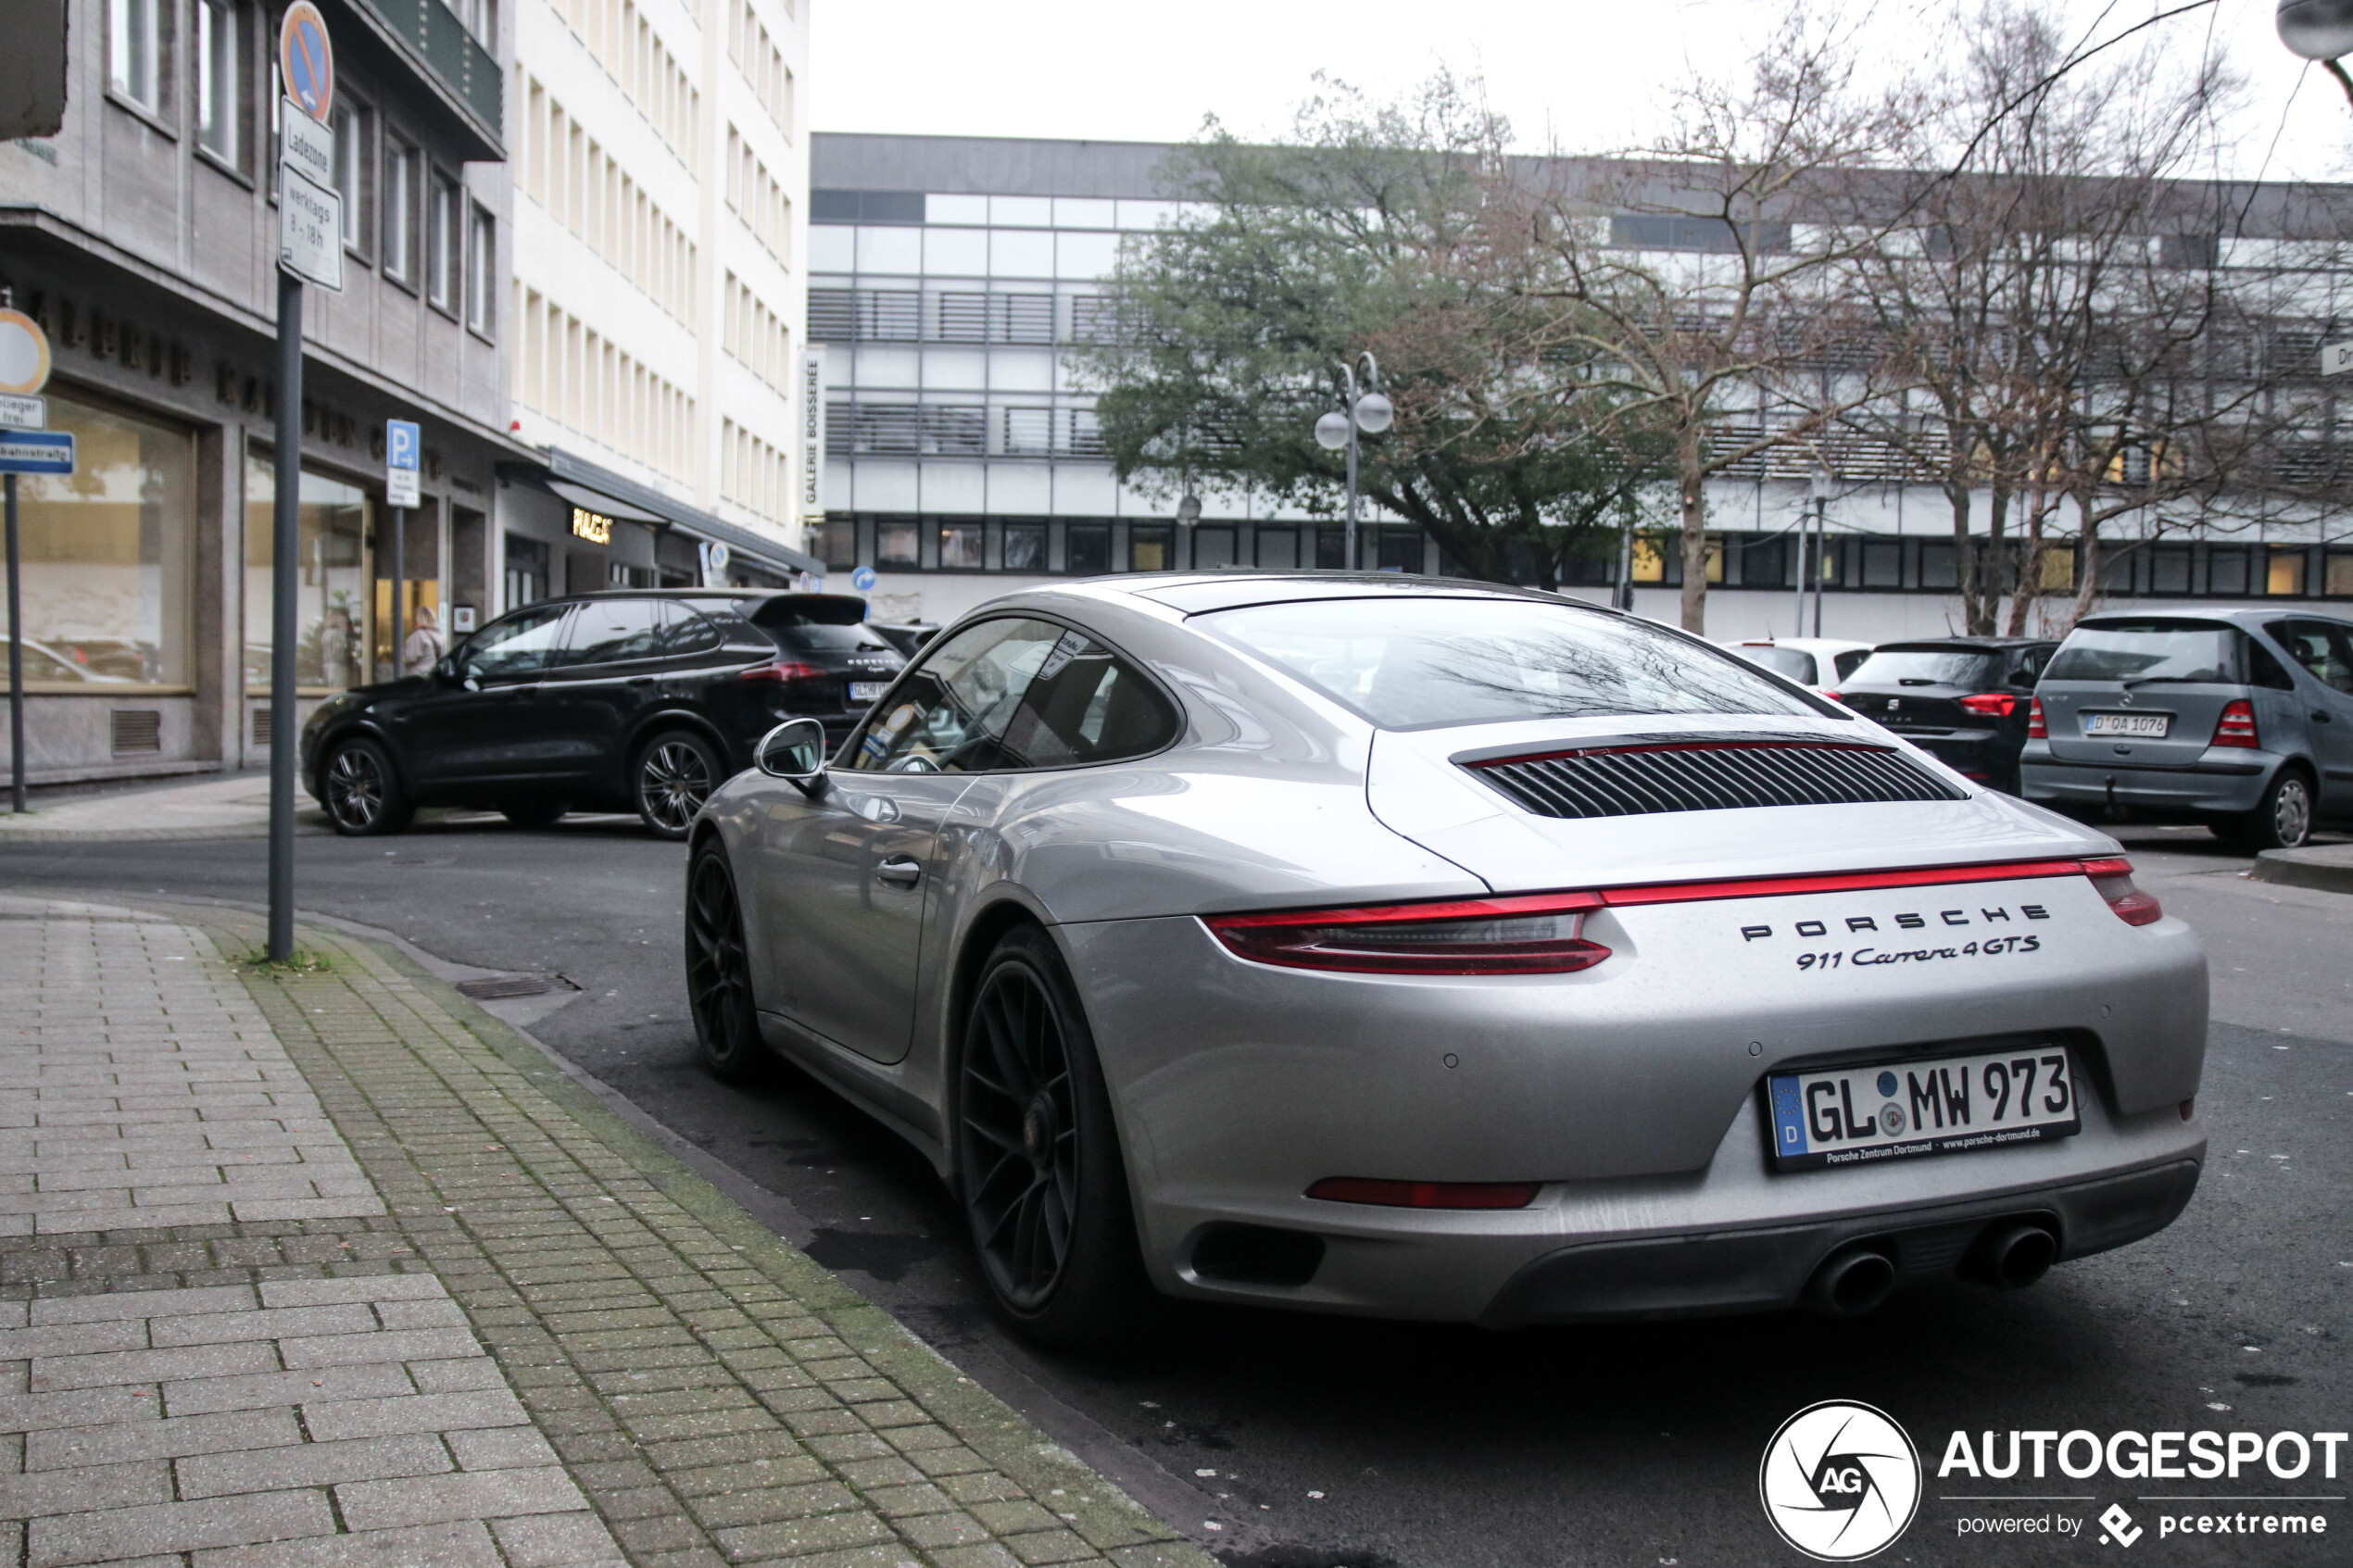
(2208,789)
(1976,754)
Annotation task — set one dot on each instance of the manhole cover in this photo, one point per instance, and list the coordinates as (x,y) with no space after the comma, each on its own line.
(493,987)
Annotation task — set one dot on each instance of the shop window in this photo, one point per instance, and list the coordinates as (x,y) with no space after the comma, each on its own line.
(2058,569)
(1278,549)
(1764,563)
(2283,576)
(837,543)
(898,544)
(1212,548)
(1024,547)
(1650,561)
(2226,570)
(1940,567)
(333,592)
(1401,550)
(137,34)
(2338,582)
(2169,569)
(959,547)
(1882,563)
(1149,548)
(1087,550)
(1331,549)
(526,572)
(106,556)
(220,96)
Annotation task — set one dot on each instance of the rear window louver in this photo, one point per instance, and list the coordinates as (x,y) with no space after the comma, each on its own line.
(1645,779)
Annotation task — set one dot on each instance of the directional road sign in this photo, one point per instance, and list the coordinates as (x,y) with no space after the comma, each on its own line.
(36,451)
(403,446)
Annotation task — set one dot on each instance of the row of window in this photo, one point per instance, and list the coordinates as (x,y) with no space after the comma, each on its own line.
(757,336)
(763,63)
(977,315)
(758,197)
(1092,548)
(571,373)
(752,472)
(961,430)
(622,40)
(581,183)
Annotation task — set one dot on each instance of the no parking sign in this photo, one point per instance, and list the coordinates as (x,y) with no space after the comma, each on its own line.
(305,60)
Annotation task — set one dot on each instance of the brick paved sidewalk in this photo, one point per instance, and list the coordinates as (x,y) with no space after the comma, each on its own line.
(305,1270)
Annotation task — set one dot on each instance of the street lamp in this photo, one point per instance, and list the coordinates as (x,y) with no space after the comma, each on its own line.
(1369,412)
(1818,485)
(2319,29)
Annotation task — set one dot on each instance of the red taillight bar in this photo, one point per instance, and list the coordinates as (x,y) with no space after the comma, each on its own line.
(783,670)
(1837,882)
(1379,914)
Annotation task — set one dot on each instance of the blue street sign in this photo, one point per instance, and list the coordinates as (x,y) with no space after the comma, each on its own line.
(401,444)
(36,451)
(862,579)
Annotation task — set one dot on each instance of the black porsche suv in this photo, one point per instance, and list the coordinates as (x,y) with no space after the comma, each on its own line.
(1967,700)
(631,701)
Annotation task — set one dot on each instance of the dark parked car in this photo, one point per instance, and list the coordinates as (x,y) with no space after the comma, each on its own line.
(2241,718)
(641,701)
(907,636)
(1966,699)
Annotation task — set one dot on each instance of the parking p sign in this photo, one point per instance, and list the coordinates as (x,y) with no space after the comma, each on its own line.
(402,448)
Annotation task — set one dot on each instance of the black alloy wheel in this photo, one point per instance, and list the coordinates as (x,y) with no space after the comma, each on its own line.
(364,796)
(2283,819)
(719,973)
(676,774)
(1043,1186)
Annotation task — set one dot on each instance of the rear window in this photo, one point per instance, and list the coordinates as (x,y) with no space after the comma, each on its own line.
(818,624)
(1406,662)
(2146,650)
(1784,661)
(1925,667)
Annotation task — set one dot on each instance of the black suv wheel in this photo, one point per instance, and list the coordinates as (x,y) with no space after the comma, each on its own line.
(363,795)
(677,771)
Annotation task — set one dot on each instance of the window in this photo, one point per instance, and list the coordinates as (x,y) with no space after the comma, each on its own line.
(1448,661)
(520,646)
(481,269)
(220,81)
(400,210)
(898,544)
(2285,576)
(2338,582)
(109,592)
(1278,549)
(613,631)
(1017,693)
(1148,548)
(960,546)
(526,572)
(1212,548)
(1024,547)
(445,262)
(1087,550)
(479,17)
(837,543)
(334,592)
(2226,570)
(135,41)
(1897,665)
(352,127)
(2323,649)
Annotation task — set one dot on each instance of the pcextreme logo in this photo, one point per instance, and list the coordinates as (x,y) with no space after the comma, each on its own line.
(1841,1481)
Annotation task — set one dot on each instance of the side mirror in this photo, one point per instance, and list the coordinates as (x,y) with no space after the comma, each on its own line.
(793,751)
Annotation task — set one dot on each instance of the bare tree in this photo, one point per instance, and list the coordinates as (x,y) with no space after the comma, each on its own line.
(1694,282)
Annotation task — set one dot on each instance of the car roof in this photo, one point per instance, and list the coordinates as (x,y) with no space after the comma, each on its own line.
(1195,592)
(1981,645)
(698,593)
(2236,615)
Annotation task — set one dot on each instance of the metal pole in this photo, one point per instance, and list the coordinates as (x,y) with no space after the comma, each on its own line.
(1625,595)
(16,668)
(399,582)
(1797,614)
(285,573)
(1354,564)
(1821,546)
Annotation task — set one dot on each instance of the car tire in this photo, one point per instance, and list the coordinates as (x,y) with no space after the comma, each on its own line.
(719,973)
(533,813)
(2283,820)
(1038,1160)
(361,792)
(673,774)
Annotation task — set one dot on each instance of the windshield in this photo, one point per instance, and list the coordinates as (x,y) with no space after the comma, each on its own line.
(1404,663)
(2145,650)
(1797,666)
(1924,667)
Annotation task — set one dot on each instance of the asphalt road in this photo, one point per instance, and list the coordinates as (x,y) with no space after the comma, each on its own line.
(1314,1443)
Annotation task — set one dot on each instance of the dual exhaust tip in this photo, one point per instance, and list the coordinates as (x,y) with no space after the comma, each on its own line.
(2010,1255)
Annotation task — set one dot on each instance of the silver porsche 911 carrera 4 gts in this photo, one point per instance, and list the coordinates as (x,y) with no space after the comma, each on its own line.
(1421,949)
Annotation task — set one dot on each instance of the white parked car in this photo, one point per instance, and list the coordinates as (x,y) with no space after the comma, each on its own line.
(1819,662)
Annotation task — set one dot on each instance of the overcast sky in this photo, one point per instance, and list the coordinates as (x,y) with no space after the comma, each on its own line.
(1588,74)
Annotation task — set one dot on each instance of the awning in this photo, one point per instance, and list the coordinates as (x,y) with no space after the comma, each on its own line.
(583,483)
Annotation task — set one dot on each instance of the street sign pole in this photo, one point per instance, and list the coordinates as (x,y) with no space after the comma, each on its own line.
(15,666)
(399,582)
(284,575)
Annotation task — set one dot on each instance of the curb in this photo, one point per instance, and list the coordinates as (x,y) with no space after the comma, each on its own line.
(2330,869)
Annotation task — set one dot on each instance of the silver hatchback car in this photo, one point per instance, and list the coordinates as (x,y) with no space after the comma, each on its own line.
(1433,950)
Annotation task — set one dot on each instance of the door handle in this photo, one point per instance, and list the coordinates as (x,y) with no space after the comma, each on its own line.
(900,871)
(2319,717)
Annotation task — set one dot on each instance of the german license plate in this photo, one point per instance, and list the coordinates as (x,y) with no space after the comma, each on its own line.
(867,690)
(1896,1110)
(2149,726)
